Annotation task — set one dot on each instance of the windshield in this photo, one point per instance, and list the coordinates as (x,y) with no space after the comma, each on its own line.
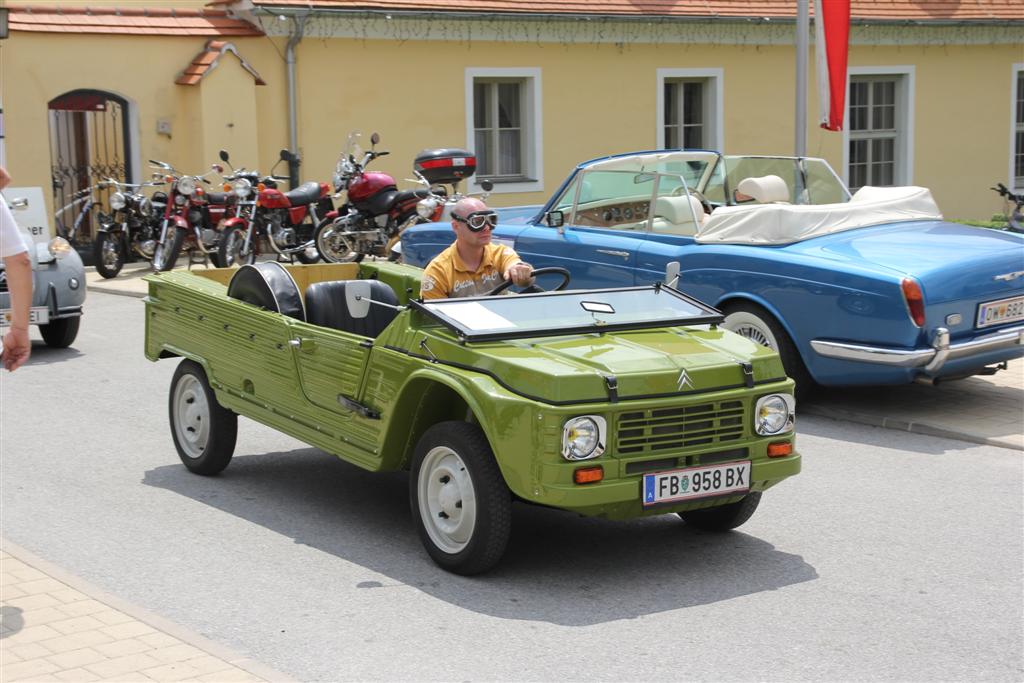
(570,312)
(807,180)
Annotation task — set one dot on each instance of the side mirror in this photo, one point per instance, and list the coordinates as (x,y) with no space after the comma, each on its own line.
(486,185)
(357,298)
(554,219)
(285,155)
(374,139)
(224,155)
(672,274)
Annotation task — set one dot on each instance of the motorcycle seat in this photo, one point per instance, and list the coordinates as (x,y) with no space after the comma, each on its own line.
(306,193)
(218,197)
(405,195)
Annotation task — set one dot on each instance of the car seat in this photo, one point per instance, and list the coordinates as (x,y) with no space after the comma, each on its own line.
(677,214)
(327,306)
(769,189)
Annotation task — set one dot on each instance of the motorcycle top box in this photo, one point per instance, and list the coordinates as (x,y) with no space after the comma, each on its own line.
(445,165)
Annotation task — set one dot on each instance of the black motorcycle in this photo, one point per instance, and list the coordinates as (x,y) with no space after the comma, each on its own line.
(1014,208)
(129,229)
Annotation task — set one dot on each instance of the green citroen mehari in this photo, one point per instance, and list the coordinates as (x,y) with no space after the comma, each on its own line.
(617,403)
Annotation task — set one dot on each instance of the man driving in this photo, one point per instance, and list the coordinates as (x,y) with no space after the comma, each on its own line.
(472,266)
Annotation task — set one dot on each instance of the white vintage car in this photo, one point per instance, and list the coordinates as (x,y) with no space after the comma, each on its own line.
(58,277)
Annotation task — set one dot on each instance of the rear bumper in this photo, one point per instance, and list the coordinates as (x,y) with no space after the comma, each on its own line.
(932,359)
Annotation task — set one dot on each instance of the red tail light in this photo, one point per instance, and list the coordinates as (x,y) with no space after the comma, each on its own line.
(915,300)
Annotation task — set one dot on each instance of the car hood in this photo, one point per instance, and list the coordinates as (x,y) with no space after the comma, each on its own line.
(948,259)
(620,365)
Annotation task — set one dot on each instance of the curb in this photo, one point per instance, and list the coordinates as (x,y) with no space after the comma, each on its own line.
(159,623)
(904,426)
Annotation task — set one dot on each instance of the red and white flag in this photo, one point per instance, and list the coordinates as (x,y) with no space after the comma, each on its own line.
(832,37)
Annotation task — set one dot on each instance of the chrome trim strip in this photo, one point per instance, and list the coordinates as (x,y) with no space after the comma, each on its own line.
(932,358)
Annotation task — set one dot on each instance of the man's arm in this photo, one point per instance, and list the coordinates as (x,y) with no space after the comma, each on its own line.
(17,345)
(514,268)
(434,284)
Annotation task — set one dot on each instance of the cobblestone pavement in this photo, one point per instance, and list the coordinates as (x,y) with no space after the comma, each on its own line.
(56,627)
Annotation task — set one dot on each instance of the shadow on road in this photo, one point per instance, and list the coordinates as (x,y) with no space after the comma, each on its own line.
(559,568)
(46,355)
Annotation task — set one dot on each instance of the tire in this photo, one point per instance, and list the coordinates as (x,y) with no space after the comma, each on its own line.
(231,250)
(755,323)
(460,504)
(333,249)
(215,260)
(60,333)
(204,432)
(108,254)
(723,517)
(166,255)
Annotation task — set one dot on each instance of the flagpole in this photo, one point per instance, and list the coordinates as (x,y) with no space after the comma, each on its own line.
(803,25)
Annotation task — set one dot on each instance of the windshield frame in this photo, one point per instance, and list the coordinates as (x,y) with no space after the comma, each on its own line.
(711,316)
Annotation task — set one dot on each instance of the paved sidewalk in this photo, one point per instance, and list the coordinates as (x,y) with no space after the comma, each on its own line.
(56,627)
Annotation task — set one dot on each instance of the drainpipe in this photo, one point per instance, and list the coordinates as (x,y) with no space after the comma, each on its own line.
(293,124)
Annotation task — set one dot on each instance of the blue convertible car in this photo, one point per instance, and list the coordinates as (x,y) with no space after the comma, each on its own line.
(869,289)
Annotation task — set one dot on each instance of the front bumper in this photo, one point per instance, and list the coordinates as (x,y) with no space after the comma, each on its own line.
(931,359)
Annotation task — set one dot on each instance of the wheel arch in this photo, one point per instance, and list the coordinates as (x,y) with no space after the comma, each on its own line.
(425,399)
(734,298)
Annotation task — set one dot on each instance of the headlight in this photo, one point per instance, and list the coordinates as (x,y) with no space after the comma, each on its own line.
(583,437)
(145,206)
(59,247)
(179,199)
(426,207)
(774,414)
(186,185)
(337,182)
(117,201)
(241,187)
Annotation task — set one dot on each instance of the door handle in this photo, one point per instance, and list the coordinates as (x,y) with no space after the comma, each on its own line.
(613,252)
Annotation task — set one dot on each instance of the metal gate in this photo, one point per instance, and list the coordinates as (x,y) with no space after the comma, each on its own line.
(89,143)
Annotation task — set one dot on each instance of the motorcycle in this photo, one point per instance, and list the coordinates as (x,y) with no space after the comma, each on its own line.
(375,210)
(287,220)
(129,229)
(190,216)
(1015,215)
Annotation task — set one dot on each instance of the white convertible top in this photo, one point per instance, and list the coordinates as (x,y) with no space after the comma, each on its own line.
(779,223)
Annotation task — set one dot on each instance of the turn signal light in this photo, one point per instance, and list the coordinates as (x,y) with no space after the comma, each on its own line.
(199,191)
(780,449)
(168,179)
(226,187)
(261,187)
(588,475)
(915,300)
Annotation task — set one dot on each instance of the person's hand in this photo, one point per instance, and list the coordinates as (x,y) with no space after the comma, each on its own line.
(5,178)
(17,348)
(520,274)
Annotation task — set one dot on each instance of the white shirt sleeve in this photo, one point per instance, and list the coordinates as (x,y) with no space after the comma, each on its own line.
(11,240)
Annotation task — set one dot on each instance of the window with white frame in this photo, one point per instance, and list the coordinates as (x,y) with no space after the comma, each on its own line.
(1018,130)
(689,109)
(879,136)
(685,123)
(503,122)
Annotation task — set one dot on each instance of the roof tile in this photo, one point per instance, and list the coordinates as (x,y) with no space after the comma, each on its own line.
(128,20)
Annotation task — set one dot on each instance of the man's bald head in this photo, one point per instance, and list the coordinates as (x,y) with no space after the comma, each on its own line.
(468,205)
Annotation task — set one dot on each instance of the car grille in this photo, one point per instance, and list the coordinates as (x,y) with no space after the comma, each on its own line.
(664,429)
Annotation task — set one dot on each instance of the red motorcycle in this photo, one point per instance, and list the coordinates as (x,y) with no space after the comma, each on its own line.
(286,220)
(187,221)
(375,210)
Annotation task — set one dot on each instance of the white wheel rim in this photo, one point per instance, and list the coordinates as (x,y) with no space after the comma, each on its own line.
(191,416)
(447,500)
(751,327)
(335,245)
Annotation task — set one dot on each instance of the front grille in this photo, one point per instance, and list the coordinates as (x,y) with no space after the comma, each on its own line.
(665,429)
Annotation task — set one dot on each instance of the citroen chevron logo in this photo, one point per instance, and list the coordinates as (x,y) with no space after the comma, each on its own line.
(684,381)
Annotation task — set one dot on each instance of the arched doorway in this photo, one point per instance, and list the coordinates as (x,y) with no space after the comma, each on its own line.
(89,142)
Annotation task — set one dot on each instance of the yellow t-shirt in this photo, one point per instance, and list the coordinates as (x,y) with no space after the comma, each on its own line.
(448,277)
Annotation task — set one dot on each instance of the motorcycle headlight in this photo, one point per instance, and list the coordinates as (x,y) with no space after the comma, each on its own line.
(426,207)
(179,199)
(145,206)
(241,187)
(774,414)
(186,185)
(59,247)
(117,201)
(583,437)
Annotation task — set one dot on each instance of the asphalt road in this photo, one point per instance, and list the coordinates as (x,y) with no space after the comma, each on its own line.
(892,556)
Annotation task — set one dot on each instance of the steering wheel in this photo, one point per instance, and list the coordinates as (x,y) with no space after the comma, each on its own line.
(704,203)
(532,289)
